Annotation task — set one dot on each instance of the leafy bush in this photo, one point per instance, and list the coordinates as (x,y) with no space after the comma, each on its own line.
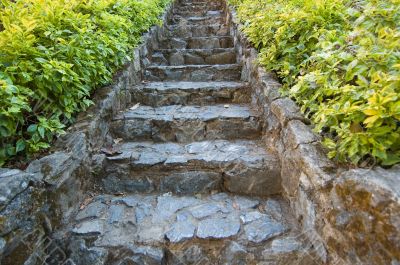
(53,53)
(340,60)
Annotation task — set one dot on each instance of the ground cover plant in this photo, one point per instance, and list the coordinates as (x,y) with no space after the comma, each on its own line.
(340,60)
(53,53)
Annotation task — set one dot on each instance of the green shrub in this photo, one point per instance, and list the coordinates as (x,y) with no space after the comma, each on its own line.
(340,60)
(53,53)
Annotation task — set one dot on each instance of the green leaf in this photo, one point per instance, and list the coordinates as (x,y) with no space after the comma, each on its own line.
(20,146)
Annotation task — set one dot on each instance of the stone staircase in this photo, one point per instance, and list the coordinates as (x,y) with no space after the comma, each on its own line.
(192,183)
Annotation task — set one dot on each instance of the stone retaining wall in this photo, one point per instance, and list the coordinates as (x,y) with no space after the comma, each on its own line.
(36,202)
(351,216)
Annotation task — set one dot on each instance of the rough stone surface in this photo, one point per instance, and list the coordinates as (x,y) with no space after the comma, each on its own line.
(172,225)
(262,229)
(55,168)
(89,227)
(180,231)
(190,182)
(2,245)
(12,183)
(94,210)
(218,228)
(234,254)
(82,255)
(232,161)
(188,123)
(286,110)
(223,72)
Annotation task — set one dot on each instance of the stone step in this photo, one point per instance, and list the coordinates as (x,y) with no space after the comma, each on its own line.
(185,124)
(173,230)
(208,42)
(203,4)
(198,20)
(194,56)
(191,93)
(199,13)
(190,30)
(198,8)
(242,167)
(224,72)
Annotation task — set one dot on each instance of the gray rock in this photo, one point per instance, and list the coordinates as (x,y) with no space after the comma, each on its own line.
(251,216)
(130,201)
(91,227)
(298,133)
(244,161)
(115,213)
(181,231)
(246,178)
(205,210)
(286,110)
(177,43)
(144,255)
(13,182)
(234,254)
(263,229)
(167,206)
(204,43)
(218,228)
(159,59)
(142,211)
(214,13)
(245,203)
(221,58)
(98,163)
(2,245)
(274,208)
(183,216)
(176,59)
(82,255)
(150,158)
(205,72)
(93,210)
(115,184)
(56,168)
(189,182)
(285,245)
(193,59)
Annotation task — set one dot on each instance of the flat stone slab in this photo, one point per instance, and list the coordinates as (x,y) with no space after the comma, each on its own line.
(187,123)
(241,167)
(218,228)
(262,229)
(176,218)
(176,225)
(180,231)
(189,30)
(191,93)
(198,56)
(197,20)
(214,42)
(206,72)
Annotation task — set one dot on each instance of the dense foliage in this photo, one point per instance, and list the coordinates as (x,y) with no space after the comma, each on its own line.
(340,60)
(52,54)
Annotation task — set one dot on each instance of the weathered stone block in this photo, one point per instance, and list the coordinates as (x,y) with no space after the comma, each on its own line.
(286,110)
